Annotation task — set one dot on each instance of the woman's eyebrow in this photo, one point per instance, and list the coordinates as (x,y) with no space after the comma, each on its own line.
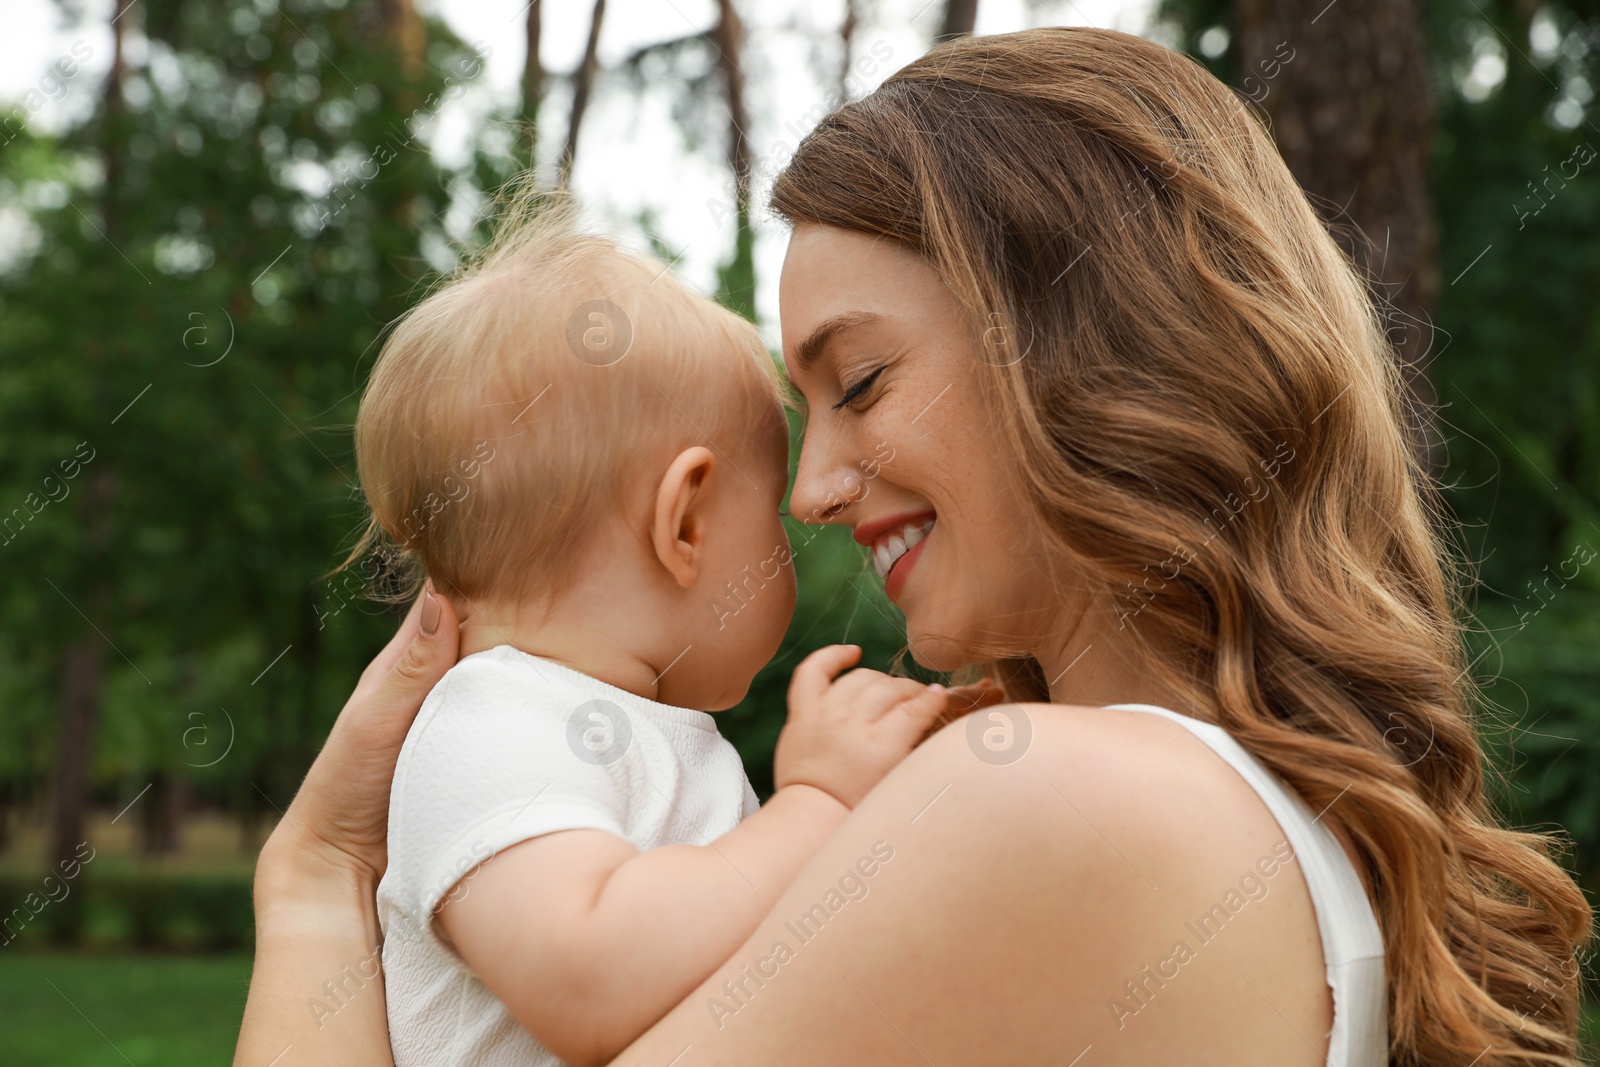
(810,350)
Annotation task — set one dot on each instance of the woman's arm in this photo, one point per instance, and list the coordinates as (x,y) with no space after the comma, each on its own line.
(314,924)
(970,913)
(316,919)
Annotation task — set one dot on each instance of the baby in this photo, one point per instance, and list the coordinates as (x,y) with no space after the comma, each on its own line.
(589,460)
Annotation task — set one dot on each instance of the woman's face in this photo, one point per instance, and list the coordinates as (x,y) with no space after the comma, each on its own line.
(899,447)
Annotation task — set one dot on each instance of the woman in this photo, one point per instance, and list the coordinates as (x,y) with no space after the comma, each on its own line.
(1153,420)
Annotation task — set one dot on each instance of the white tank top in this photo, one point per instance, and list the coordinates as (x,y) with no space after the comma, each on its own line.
(1352,943)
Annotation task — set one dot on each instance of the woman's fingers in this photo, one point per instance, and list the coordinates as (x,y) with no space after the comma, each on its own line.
(423,650)
(344,799)
(425,610)
(426,645)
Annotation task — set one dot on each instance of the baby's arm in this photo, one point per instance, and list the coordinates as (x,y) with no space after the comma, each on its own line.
(588,941)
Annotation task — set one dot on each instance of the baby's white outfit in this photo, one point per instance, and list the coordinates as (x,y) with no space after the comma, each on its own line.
(508,747)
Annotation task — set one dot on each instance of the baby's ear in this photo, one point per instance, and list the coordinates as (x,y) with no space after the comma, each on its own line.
(678,527)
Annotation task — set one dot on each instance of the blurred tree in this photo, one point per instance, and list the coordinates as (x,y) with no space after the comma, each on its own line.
(960,16)
(532,86)
(84,657)
(736,280)
(405,32)
(847,39)
(1354,121)
(698,67)
(206,260)
(582,86)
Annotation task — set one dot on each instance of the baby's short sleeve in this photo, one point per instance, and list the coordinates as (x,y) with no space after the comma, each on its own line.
(511,746)
(491,763)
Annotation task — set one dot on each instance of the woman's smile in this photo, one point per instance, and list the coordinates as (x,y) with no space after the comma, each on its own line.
(896,542)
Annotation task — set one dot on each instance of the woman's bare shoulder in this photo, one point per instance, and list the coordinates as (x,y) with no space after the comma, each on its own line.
(1124,799)
(1054,867)
(1153,771)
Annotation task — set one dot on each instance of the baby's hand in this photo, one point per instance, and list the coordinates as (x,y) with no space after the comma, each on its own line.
(845,733)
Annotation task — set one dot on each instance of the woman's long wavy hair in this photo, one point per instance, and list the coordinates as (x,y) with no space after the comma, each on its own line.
(1200,398)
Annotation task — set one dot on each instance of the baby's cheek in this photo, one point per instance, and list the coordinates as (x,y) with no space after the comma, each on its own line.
(790,595)
(783,602)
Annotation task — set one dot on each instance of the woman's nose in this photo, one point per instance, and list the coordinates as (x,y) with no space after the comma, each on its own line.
(826,481)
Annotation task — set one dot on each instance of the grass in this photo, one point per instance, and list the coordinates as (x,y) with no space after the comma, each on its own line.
(176,1011)
(112,1011)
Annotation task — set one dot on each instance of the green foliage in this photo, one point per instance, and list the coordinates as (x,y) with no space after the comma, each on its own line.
(1517,366)
(137,909)
(212,267)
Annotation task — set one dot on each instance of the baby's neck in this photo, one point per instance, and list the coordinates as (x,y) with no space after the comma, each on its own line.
(585,649)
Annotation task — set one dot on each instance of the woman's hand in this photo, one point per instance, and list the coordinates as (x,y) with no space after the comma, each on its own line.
(317,876)
(340,814)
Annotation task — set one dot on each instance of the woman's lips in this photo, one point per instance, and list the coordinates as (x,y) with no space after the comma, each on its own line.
(870,533)
(896,543)
(896,579)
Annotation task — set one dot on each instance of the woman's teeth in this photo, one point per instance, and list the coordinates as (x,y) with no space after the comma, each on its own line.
(897,544)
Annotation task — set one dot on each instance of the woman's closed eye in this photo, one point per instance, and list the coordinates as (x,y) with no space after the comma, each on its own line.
(861,386)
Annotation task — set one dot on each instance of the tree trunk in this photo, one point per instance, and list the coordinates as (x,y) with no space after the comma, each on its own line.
(401,24)
(737,280)
(847,41)
(582,85)
(162,814)
(960,16)
(83,663)
(532,88)
(83,676)
(1352,113)
(111,109)
(252,828)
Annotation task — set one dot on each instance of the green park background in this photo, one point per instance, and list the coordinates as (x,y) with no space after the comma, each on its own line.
(184,333)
